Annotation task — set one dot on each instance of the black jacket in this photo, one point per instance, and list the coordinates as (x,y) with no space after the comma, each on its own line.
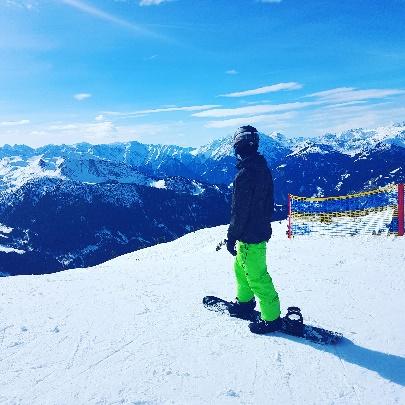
(252,201)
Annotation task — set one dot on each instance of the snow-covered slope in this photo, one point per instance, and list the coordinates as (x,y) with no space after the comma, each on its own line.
(97,171)
(15,171)
(133,330)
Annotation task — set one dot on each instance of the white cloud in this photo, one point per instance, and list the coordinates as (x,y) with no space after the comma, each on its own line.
(100,129)
(82,96)
(62,132)
(152,2)
(266,119)
(102,15)
(62,127)
(151,57)
(30,42)
(349,94)
(96,132)
(89,131)
(14,123)
(28,5)
(340,118)
(266,89)
(253,110)
(346,104)
(231,72)
(270,1)
(295,121)
(338,121)
(159,110)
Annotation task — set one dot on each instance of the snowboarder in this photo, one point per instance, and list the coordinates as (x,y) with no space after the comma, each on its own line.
(249,232)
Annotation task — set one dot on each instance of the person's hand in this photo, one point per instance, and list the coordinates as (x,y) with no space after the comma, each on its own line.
(230,245)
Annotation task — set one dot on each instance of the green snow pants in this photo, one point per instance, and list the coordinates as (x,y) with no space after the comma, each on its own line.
(252,279)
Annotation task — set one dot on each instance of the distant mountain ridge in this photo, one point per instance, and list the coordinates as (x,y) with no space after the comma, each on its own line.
(358,140)
(130,161)
(77,205)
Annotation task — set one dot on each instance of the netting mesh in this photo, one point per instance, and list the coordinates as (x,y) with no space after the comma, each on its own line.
(368,213)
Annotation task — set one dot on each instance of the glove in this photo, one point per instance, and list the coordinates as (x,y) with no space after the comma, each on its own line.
(230,245)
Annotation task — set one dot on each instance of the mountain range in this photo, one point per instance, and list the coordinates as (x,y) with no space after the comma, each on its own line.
(64,206)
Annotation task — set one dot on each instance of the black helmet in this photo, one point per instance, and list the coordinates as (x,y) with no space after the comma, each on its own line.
(246,140)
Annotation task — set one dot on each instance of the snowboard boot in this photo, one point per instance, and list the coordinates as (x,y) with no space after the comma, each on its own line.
(260,326)
(294,321)
(243,310)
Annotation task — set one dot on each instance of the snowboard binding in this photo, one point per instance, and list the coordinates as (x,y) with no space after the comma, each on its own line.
(293,321)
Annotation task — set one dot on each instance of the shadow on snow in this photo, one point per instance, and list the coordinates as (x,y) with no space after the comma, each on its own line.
(388,366)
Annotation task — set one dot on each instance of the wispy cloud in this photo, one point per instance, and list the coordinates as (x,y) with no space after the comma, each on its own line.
(354,116)
(103,15)
(265,119)
(266,89)
(349,94)
(345,104)
(330,111)
(90,131)
(253,110)
(231,72)
(152,2)
(82,96)
(160,110)
(151,57)
(26,4)
(26,41)
(14,123)
(270,1)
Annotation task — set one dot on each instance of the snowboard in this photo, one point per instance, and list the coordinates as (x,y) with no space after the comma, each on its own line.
(292,323)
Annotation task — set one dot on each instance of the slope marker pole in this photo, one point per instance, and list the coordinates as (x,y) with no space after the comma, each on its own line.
(289,217)
(401,209)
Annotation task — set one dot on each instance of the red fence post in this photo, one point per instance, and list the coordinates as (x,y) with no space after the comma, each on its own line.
(400,209)
(289,216)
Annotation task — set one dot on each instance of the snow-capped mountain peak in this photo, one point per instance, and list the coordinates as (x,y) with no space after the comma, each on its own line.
(272,146)
(216,149)
(358,140)
(309,147)
(15,171)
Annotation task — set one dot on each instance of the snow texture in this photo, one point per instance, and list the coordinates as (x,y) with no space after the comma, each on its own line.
(5,229)
(159,184)
(134,331)
(9,250)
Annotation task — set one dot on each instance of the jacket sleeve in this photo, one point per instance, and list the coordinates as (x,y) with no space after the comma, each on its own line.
(270,210)
(241,202)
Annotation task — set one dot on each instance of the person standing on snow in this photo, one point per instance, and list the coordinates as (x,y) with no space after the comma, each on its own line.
(249,231)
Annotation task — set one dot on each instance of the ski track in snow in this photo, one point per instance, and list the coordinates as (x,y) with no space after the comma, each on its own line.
(134,331)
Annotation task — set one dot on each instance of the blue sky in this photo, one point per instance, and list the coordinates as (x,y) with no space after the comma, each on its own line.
(189,71)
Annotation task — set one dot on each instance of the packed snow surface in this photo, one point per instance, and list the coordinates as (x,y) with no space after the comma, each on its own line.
(133,330)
